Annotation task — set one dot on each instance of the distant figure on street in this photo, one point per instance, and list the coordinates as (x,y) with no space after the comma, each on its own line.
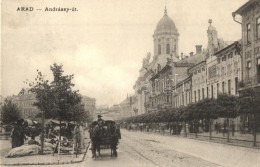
(21,127)
(216,127)
(225,128)
(100,121)
(15,137)
(77,138)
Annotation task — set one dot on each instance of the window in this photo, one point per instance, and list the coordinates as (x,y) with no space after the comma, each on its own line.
(235,67)
(236,85)
(203,96)
(258,28)
(229,87)
(224,58)
(182,98)
(199,94)
(229,70)
(249,69)
(159,49)
(230,55)
(168,49)
(186,97)
(223,87)
(195,98)
(222,72)
(217,88)
(248,32)
(212,95)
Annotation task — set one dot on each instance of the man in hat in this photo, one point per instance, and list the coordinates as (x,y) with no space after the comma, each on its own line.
(100,121)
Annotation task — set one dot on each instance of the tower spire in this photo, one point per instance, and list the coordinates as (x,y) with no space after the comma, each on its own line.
(165,11)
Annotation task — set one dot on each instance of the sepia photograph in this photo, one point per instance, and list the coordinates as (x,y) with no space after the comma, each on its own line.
(130,83)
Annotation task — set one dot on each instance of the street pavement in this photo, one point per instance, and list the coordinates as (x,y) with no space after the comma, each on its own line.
(142,149)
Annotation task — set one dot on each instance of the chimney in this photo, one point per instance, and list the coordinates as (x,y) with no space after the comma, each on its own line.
(198,49)
(182,56)
(191,54)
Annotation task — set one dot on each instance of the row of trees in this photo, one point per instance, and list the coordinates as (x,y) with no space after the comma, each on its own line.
(225,106)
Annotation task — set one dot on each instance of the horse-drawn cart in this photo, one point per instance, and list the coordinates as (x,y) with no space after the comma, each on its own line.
(104,135)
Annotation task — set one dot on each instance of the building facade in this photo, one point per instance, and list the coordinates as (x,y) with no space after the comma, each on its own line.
(250,13)
(89,104)
(165,39)
(229,69)
(126,107)
(25,102)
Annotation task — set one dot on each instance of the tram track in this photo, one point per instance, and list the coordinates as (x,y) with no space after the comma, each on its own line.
(161,154)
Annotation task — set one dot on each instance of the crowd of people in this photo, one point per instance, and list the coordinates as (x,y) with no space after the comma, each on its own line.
(69,133)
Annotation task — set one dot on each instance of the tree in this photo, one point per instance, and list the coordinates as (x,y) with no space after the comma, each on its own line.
(228,107)
(10,112)
(78,114)
(249,102)
(56,99)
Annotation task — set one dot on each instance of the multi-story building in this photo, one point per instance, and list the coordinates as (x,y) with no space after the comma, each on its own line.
(182,93)
(126,107)
(250,24)
(25,101)
(89,104)
(199,82)
(250,13)
(165,40)
(228,69)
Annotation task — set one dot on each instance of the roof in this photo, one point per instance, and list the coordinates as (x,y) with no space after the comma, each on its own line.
(202,62)
(195,59)
(226,48)
(25,91)
(165,24)
(244,7)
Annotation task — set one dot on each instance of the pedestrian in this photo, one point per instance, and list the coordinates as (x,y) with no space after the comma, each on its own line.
(15,137)
(21,128)
(216,127)
(233,129)
(225,128)
(77,138)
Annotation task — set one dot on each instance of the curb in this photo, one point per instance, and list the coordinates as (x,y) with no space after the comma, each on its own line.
(50,163)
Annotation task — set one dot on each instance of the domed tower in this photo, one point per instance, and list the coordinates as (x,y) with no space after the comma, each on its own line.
(165,37)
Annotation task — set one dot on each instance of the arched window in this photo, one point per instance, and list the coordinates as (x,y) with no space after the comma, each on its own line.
(168,49)
(159,49)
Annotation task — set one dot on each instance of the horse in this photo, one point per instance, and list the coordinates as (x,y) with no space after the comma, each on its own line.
(95,136)
(114,134)
(107,135)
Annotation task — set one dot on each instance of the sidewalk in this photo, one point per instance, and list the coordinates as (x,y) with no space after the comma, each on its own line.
(46,159)
(243,140)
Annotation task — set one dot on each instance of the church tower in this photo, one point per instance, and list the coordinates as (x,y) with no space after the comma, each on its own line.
(165,37)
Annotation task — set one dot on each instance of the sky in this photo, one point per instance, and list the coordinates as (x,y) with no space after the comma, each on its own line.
(103,43)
